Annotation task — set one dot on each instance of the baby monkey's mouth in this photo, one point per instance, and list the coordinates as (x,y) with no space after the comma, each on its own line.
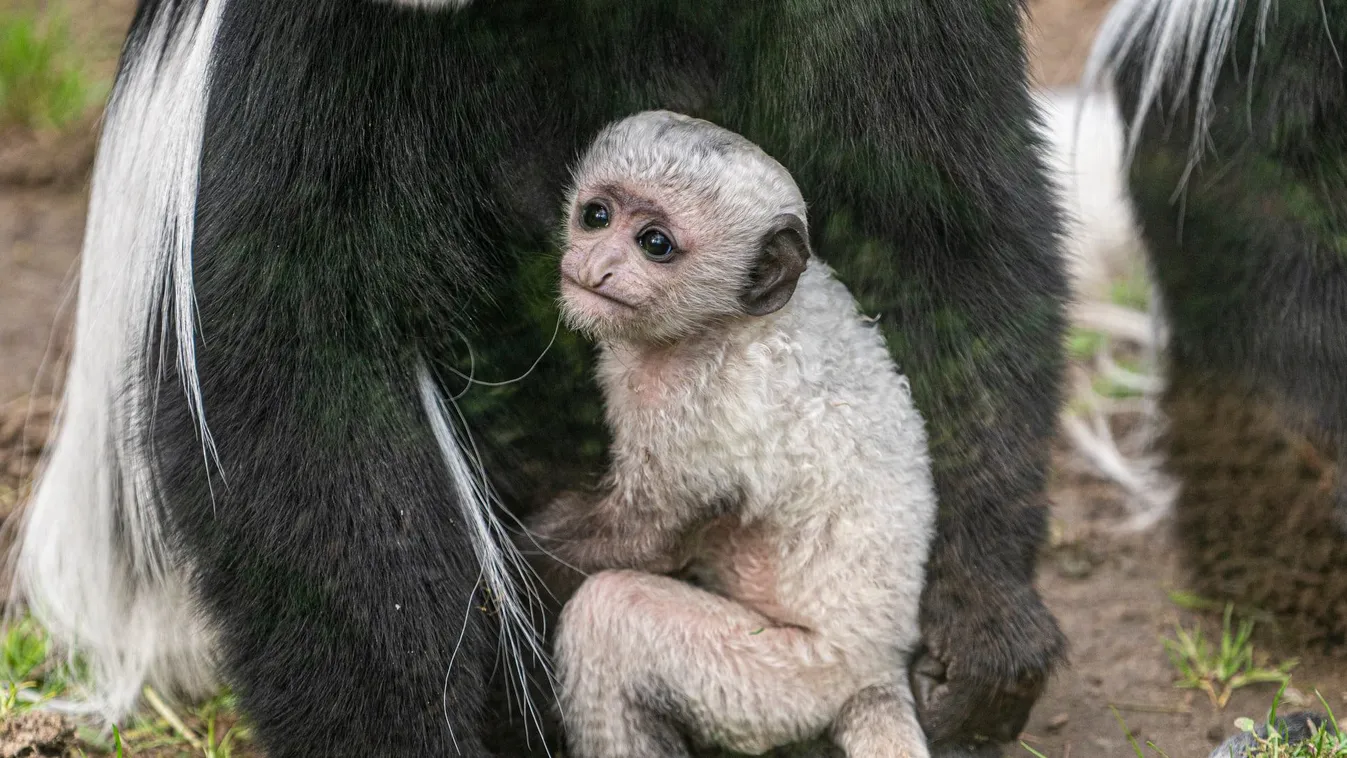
(567,283)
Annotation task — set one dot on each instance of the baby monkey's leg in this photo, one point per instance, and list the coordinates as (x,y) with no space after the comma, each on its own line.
(645,659)
(881,722)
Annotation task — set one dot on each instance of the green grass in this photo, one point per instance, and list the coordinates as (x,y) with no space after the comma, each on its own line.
(30,674)
(211,730)
(1133,290)
(1193,602)
(1112,390)
(1323,743)
(1084,344)
(1220,669)
(43,84)
(1223,666)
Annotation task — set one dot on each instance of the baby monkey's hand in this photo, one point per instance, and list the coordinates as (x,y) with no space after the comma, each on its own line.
(579,534)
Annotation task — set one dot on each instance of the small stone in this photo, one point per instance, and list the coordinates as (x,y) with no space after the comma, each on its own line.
(1297,698)
(1129,566)
(1056,723)
(1075,562)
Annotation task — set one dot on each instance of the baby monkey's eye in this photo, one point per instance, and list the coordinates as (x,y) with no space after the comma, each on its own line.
(594,216)
(657,246)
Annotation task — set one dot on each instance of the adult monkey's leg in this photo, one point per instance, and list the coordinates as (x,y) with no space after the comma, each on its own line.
(346,220)
(1249,250)
(379,189)
(909,128)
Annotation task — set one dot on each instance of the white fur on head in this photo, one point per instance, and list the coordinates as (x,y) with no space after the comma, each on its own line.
(1176,33)
(92,562)
(686,155)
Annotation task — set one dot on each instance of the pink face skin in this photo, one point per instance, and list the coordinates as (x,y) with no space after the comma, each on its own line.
(605,264)
(627,259)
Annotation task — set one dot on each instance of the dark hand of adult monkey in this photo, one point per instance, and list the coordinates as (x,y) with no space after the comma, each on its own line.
(989,643)
(989,698)
(967,679)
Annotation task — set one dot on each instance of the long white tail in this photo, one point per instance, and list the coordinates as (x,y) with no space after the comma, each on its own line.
(92,563)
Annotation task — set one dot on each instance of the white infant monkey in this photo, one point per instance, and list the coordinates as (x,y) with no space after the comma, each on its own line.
(765,448)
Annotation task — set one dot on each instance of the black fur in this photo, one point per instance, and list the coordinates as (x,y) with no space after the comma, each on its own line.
(378,188)
(1251,256)
(1250,259)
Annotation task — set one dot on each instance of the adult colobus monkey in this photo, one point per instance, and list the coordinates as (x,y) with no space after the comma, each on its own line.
(319,258)
(1238,150)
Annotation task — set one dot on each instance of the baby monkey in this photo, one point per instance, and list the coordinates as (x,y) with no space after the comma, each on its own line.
(756,555)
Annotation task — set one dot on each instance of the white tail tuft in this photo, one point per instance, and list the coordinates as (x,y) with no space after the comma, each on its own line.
(1084,156)
(92,561)
(504,571)
(1188,36)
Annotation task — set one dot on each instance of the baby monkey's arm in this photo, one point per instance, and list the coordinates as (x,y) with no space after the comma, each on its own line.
(582,533)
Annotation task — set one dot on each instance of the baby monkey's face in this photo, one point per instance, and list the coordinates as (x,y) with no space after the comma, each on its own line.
(641,265)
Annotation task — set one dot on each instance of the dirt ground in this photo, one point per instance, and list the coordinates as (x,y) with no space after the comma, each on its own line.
(1109,591)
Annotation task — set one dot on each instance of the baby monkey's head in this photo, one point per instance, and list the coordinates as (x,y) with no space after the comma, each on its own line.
(674,226)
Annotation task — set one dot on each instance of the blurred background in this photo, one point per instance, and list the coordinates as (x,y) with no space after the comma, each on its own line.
(1151,659)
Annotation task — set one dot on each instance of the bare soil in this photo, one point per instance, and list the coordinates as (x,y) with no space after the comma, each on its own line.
(1058,34)
(33,734)
(40,230)
(1109,591)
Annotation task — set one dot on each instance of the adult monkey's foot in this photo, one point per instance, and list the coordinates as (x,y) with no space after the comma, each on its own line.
(987,655)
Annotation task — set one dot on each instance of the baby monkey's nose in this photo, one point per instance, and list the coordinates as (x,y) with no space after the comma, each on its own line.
(598,272)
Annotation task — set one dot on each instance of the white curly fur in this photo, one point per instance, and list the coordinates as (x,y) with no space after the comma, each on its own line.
(811,589)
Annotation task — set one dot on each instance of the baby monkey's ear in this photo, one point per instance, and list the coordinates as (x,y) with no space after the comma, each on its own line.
(781,260)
